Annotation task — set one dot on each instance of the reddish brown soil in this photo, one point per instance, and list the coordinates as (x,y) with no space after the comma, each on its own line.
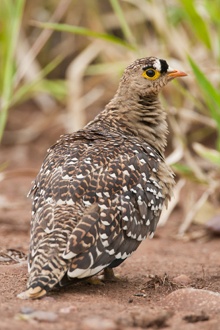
(113,305)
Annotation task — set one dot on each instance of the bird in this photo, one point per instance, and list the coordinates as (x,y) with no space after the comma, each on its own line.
(100,191)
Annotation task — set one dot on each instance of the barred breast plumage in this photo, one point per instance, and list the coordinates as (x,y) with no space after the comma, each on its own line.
(100,191)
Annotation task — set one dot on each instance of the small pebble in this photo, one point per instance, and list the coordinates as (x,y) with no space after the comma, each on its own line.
(26,310)
(140,295)
(29,314)
(182,279)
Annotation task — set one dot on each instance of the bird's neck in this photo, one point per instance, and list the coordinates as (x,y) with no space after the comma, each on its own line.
(142,117)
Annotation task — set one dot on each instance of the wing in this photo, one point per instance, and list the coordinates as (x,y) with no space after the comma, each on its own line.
(126,204)
(94,202)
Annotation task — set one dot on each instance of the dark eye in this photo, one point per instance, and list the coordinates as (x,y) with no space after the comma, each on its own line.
(150,73)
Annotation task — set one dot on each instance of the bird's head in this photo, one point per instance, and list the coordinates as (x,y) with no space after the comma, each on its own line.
(147,76)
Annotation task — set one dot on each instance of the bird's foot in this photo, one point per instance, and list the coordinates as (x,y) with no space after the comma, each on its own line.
(94,281)
(109,276)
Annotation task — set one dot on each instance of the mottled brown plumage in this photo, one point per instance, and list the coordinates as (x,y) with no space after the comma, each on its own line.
(100,191)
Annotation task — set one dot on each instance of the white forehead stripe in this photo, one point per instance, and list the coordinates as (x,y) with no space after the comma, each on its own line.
(170,69)
(157,65)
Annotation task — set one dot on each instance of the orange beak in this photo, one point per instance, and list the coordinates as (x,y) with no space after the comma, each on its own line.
(176,73)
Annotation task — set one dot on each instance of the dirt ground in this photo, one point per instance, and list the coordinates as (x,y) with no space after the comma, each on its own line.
(139,300)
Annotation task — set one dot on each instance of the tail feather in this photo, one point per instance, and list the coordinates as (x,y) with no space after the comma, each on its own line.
(32,293)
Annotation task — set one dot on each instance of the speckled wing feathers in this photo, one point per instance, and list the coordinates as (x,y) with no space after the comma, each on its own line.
(95,199)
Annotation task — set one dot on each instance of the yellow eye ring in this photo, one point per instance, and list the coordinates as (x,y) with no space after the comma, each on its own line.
(151,74)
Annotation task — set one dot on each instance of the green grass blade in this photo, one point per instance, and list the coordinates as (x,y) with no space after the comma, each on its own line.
(210,93)
(14,12)
(123,23)
(57,88)
(186,172)
(207,87)
(26,90)
(85,32)
(211,155)
(198,24)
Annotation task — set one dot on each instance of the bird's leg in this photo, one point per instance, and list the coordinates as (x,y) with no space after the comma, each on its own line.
(110,276)
(107,276)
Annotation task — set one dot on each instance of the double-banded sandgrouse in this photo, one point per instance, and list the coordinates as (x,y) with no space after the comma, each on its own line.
(100,191)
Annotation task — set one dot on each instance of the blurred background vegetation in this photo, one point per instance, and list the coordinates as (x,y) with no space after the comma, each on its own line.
(61,62)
